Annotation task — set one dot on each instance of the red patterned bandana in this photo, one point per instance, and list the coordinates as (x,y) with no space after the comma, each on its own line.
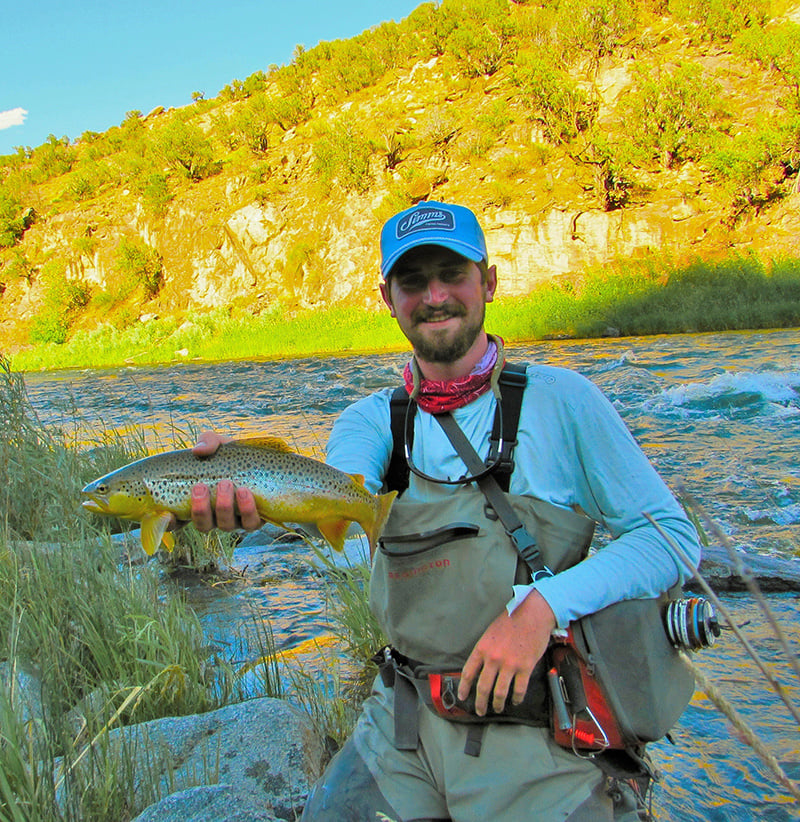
(438,396)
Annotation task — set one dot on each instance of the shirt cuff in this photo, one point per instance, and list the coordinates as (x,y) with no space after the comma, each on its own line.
(520,592)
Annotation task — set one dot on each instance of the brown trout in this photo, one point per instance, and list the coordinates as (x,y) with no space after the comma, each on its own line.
(288,488)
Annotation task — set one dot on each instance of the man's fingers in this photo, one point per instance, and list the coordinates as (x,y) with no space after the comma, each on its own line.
(225,507)
(208,442)
(202,515)
(500,692)
(468,673)
(245,502)
(520,688)
(231,505)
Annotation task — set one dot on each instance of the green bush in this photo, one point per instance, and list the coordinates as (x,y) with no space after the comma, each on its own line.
(720,19)
(140,265)
(482,39)
(86,177)
(61,300)
(671,110)
(558,103)
(53,158)
(347,66)
(12,221)
(749,164)
(776,48)
(342,153)
(156,193)
(612,160)
(184,146)
(595,26)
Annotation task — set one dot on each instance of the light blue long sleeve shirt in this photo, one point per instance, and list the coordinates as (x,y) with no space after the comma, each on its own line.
(574,451)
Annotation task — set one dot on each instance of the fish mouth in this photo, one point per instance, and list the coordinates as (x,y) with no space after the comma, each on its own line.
(96,506)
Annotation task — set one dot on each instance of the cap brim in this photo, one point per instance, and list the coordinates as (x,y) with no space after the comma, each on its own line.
(476,255)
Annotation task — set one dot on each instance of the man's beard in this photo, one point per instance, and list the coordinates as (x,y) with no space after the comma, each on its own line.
(441,347)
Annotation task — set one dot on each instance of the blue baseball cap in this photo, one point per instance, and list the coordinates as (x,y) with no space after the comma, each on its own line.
(432,223)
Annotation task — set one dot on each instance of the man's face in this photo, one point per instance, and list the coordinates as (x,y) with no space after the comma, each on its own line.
(439,301)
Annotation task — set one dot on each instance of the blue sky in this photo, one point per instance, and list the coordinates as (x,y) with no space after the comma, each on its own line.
(72,66)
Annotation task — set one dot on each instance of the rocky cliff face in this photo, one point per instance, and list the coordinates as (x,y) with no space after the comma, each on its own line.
(283,238)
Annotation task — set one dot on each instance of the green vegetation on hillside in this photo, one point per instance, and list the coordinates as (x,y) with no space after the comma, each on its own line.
(629,299)
(511,89)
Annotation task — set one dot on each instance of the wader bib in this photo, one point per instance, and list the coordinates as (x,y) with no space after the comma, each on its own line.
(443,572)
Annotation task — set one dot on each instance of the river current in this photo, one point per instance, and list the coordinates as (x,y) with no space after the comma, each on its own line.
(718,415)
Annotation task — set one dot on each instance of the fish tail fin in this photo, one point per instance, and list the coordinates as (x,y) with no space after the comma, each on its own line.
(385,502)
(334,531)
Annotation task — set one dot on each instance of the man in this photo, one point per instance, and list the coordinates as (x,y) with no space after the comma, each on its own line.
(452,602)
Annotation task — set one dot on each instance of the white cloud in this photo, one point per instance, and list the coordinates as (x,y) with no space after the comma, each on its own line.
(12,117)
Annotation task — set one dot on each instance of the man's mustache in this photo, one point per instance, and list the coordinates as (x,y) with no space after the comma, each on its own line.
(426,315)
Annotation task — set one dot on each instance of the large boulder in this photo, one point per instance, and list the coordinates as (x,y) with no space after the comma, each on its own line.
(222,803)
(262,755)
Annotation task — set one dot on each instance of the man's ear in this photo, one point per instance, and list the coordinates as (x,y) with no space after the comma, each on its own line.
(387,297)
(490,286)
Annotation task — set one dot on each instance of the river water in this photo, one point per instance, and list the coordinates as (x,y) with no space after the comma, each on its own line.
(718,415)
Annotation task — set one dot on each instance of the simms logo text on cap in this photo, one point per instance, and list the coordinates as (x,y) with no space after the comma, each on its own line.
(425,219)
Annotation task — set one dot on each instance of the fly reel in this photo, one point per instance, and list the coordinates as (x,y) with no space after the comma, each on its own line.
(691,623)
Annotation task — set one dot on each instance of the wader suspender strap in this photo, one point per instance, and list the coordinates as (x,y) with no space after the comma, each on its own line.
(513,380)
(520,536)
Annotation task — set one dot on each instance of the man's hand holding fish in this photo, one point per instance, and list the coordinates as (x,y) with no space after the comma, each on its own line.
(235,507)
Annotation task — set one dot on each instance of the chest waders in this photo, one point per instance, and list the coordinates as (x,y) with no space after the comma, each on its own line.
(444,571)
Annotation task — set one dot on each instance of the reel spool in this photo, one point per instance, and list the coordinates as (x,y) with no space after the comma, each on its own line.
(691,623)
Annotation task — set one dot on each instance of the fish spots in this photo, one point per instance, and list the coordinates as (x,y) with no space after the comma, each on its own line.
(288,488)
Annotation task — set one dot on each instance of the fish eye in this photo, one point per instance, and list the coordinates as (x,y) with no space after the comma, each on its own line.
(102,488)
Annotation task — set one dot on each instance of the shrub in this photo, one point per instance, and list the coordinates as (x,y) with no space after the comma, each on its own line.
(86,178)
(252,124)
(62,299)
(720,19)
(612,160)
(483,37)
(140,264)
(184,147)
(12,221)
(53,158)
(595,26)
(752,165)
(156,194)
(18,267)
(777,49)
(342,153)
(671,110)
(562,107)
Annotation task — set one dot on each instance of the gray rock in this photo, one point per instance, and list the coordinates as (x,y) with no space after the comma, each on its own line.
(264,750)
(219,803)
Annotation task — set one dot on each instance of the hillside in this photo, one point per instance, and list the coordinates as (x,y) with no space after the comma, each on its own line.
(582,132)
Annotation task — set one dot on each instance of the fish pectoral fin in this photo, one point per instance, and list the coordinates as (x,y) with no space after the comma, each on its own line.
(154,532)
(274,443)
(334,531)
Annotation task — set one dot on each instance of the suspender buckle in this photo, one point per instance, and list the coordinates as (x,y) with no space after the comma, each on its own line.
(529,551)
